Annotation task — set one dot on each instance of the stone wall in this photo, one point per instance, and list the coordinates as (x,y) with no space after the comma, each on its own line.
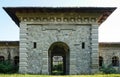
(45,32)
(78,30)
(109,50)
(72,35)
(82,56)
(40,27)
(11,47)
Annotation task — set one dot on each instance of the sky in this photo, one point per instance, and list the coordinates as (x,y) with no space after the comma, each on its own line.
(108,31)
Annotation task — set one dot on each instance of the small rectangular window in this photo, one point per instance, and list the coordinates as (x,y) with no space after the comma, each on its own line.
(34,45)
(83,45)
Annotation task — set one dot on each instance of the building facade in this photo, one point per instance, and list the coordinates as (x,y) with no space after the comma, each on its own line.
(49,36)
(109,54)
(9,50)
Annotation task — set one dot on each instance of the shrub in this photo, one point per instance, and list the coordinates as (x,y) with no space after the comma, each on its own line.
(57,69)
(7,67)
(108,69)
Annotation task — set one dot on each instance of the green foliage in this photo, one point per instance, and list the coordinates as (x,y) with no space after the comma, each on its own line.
(56,72)
(108,69)
(28,75)
(57,69)
(7,67)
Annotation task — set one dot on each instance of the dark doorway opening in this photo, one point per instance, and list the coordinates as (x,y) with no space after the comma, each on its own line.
(59,59)
(57,65)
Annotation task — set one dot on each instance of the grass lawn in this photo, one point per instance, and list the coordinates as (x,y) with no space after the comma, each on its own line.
(27,75)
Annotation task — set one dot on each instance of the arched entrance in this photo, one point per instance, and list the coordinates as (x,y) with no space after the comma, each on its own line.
(59,58)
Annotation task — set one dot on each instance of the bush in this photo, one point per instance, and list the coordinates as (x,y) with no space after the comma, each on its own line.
(108,69)
(7,67)
(57,69)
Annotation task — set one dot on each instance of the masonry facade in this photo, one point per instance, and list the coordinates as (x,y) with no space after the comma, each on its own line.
(69,33)
(110,55)
(9,50)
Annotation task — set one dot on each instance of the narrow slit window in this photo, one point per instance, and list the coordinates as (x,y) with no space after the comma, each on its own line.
(34,45)
(83,45)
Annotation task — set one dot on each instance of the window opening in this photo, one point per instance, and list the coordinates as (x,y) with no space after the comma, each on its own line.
(100,61)
(83,45)
(2,58)
(34,45)
(115,61)
(16,60)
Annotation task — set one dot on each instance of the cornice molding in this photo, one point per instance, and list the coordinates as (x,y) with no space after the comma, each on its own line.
(59,19)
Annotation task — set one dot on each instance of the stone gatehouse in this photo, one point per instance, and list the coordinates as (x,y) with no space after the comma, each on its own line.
(109,53)
(58,35)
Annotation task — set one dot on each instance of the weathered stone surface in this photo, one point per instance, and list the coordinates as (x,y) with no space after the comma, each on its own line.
(107,51)
(23,70)
(14,51)
(79,33)
(59,31)
(70,35)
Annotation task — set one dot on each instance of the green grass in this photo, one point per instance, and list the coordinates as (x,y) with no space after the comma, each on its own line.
(27,75)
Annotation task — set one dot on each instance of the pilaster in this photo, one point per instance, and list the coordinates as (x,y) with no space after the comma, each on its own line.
(45,63)
(94,47)
(23,48)
(72,62)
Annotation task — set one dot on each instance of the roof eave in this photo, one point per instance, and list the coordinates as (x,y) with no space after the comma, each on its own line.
(108,10)
(12,15)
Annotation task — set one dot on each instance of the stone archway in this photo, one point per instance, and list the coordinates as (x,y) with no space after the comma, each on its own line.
(58,53)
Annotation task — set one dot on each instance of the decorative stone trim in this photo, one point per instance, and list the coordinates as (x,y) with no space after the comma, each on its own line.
(59,19)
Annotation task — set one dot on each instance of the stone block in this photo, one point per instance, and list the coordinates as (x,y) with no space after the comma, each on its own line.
(94,31)
(45,69)
(94,70)
(94,36)
(23,55)
(24,35)
(95,54)
(94,49)
(23,60)
(73,70)
(45,72)
(23,64)
(95,26)
(23,40)
(95,61)
(23,50)
(23,70)
(23,44)
(94,41)
(45,61)
(95,45)
(72,62)
(45,54)
(23,31)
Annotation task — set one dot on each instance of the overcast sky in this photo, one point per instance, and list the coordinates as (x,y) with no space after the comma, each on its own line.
(108,31)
